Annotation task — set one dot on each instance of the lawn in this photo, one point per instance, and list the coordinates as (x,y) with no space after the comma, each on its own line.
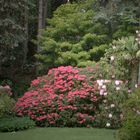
(60,134)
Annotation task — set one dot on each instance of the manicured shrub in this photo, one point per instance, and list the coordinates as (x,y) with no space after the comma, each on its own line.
(64,97)
(15,124)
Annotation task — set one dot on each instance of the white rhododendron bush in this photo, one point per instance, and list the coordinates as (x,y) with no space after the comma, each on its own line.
(114,93)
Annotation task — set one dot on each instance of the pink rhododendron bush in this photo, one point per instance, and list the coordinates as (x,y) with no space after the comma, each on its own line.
(62,98)
(73,97)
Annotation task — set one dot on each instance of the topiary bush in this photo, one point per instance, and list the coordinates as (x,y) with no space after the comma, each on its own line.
(64,97)
(15,124)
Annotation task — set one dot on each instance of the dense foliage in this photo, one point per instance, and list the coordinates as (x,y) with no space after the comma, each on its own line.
(72,38)
(121,17)
(13,35)
(83,33)
(80,33)
(78,38)
(131,112)
(73,97)
(122,60)
(12,124)
(6,102)
(114,93)
(62,98)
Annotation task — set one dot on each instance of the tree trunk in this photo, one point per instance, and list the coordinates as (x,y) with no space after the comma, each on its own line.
(25,45)
(42,17)
(45,13)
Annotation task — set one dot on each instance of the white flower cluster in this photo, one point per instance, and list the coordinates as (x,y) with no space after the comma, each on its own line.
(110,115)
(112,58)
(112,105)
(117,83)
(114,47)
(108,125)
(103,87)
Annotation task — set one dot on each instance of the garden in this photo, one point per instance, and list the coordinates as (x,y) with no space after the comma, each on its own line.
(70,70)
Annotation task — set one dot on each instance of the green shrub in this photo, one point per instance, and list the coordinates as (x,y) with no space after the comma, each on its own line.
(131,112)
(131,129)
(6,105)
(15,124)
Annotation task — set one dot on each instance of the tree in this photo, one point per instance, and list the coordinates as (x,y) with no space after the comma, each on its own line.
(120,16)
(13,29)
(71,37)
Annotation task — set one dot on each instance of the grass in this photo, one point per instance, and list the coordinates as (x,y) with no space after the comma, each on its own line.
(60,134)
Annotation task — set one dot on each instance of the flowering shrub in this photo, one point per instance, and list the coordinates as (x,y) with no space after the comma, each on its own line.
(73,97)
(114,93)
(64,97)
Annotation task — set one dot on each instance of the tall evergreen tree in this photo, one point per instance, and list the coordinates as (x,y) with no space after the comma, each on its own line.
(13,35)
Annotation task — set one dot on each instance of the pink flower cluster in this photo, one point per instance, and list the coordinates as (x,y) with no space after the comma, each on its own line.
(83,118)
(62,98)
